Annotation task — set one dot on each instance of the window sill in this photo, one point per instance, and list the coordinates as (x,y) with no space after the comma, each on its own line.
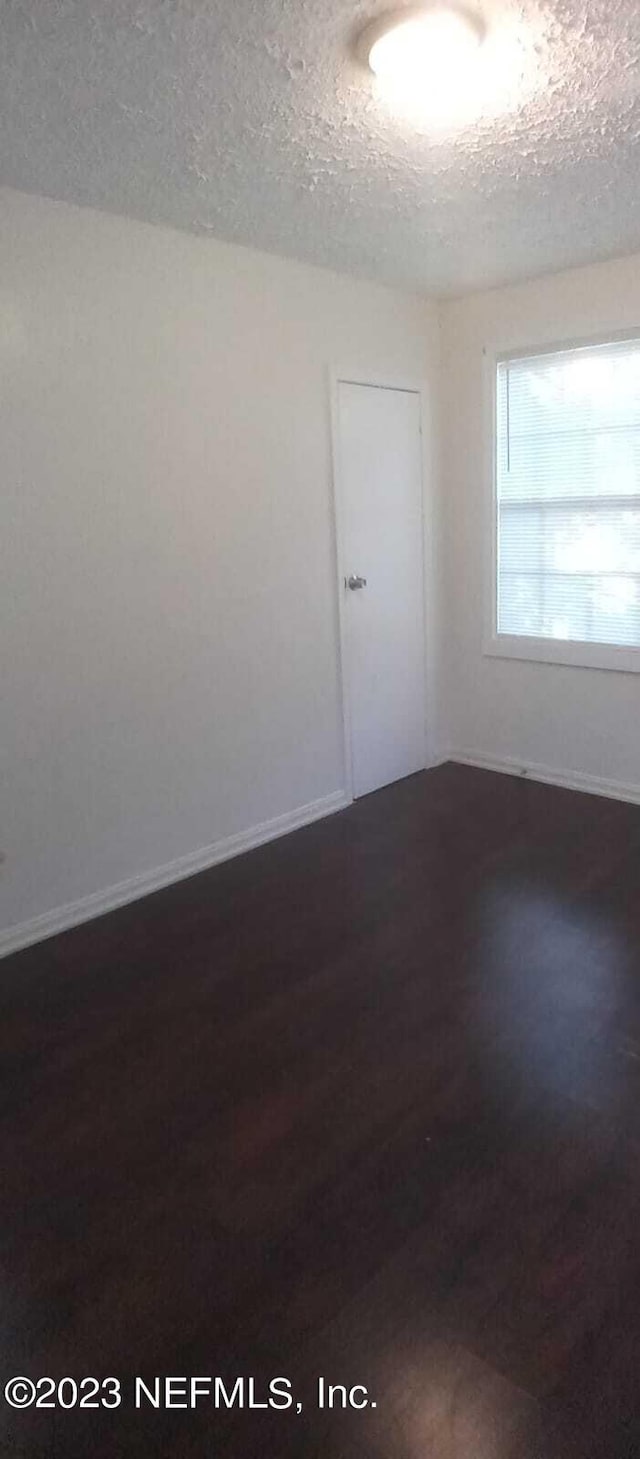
(560,651)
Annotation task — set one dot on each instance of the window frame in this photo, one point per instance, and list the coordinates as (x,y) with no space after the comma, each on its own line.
(572,653)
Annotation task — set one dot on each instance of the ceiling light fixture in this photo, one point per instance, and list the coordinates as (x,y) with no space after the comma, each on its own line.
(424,54)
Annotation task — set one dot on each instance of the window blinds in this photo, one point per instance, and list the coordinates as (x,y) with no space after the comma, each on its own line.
(568,495)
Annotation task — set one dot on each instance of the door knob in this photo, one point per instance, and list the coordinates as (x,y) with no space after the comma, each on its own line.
(355,582)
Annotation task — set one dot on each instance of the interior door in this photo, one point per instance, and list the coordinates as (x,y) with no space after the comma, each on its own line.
(380,466)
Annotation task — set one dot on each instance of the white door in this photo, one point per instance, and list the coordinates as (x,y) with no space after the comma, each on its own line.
(380,466)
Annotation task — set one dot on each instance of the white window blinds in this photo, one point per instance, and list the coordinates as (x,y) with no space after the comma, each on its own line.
(568,495)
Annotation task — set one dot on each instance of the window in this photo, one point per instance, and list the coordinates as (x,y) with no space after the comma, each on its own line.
(567,585)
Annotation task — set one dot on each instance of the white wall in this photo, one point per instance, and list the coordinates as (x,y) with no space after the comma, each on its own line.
(575,722)
(169,666)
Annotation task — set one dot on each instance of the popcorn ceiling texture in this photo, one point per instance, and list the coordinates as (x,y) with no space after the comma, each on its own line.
(249,119)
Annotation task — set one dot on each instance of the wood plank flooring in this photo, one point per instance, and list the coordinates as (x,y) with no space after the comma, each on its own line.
(363,1104)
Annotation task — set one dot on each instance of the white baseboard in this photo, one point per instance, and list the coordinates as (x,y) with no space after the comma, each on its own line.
(36,929)
(568,780)
(23,934)
(438,757)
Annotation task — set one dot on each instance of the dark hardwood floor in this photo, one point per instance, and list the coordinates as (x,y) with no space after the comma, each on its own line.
(363,1104)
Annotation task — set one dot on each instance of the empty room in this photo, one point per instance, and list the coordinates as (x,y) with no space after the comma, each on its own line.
(320,729)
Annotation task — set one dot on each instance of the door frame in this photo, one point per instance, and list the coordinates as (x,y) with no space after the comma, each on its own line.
(414,386)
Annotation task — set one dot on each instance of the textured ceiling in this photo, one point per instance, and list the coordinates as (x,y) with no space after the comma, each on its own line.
(250,120)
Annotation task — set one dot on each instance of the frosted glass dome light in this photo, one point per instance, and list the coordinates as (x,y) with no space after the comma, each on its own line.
(426,53)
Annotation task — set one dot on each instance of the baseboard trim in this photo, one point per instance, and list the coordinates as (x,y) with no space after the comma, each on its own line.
(59,919)
(72,914)
(567,780)
(437,759)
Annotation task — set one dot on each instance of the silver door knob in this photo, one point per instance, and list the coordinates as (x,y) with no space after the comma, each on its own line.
(355,582)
